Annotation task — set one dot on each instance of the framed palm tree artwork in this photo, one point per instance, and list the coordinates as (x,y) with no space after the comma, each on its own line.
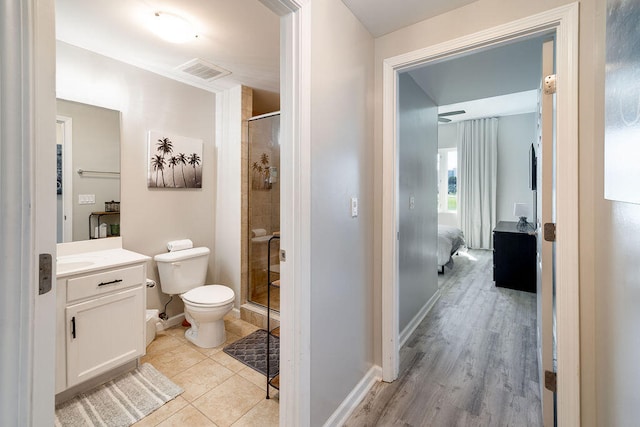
(174,161)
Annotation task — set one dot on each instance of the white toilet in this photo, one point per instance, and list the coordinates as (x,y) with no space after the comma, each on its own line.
(183,273)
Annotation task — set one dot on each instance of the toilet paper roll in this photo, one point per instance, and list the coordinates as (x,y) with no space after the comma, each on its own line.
(179,245)
(258,232)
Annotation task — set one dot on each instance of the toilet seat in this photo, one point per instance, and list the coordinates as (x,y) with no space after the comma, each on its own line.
(209,296)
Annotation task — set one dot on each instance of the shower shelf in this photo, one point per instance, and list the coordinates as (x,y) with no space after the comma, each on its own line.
(275,380)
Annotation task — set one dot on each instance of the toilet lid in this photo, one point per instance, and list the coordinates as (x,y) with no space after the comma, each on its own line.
(209,295)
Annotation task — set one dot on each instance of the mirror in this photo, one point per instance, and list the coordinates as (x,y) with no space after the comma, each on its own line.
(88,161)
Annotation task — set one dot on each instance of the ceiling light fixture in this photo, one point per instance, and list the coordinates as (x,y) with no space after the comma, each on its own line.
(172,28)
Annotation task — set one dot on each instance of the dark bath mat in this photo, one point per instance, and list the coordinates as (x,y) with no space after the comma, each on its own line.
(251,350)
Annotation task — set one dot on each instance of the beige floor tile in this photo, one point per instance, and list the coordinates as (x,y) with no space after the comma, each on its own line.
(177,332)
(264,414)
(187,416)
(258,379)
(162,413)
(233,326)
(211,351)
(226,403)
(254,376)
(227,361)
(247,328)
(162,343)
(173,362)
(201,378)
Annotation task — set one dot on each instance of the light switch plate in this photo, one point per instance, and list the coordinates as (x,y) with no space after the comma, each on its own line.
(86,199)
(412,202)
(354,207)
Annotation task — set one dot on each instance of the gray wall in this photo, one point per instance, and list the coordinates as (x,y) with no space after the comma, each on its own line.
(417,246)
(341,168)
(515,136)
(147,101)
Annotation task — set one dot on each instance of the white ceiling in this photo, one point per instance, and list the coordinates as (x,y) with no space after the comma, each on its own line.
(241,36)
(494,82)
(495,106)
(384,16)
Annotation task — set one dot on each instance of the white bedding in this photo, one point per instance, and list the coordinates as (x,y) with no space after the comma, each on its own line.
(450,239)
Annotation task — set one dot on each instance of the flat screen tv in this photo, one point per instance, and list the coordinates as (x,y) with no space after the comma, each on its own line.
(533,168)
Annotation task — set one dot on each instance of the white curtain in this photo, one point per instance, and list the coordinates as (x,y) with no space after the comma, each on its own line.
(477,171)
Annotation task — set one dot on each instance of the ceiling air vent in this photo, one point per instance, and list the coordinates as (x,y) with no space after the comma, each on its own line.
(202,71)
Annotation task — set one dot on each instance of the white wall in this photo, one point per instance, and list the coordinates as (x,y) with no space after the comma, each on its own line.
(447,135)
(228,210)
(515,136)
(447,138)
(149,217)
(417,245)
(341,168)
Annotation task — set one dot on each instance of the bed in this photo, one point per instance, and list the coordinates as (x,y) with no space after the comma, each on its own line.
(450,240)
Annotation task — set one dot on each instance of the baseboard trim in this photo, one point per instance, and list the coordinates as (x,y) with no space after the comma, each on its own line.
(178,318)
(349,404)
(171,322)
(411,327)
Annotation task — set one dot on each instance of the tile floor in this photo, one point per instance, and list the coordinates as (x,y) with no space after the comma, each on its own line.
(219,391)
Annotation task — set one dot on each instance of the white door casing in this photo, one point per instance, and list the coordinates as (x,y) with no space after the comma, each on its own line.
(295,209)
(27,182)
(563,21)
(545,249)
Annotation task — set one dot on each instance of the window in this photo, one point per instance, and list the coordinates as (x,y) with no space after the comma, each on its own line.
(447,165)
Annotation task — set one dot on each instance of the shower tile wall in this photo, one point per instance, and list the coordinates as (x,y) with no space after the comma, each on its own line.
(264,206)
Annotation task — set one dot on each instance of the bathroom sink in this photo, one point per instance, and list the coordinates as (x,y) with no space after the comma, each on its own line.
(63,266)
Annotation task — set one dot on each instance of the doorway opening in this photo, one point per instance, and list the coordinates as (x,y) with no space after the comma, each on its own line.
(562,23)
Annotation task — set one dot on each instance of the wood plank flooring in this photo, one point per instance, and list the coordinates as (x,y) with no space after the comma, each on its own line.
(471,362)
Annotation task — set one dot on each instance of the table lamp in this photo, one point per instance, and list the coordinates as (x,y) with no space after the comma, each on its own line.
(521,210)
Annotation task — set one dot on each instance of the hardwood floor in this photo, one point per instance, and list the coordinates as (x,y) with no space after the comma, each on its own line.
(471,362)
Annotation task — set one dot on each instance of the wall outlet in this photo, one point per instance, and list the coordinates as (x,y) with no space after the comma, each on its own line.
(412,202)
(354,207)
(86,199)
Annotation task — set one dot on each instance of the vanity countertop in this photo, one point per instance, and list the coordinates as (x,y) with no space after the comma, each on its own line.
(71,262)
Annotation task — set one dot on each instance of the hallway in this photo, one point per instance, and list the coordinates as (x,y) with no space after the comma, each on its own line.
(471,362)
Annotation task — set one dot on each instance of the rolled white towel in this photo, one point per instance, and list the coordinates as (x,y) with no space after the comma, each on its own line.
(179,245)
(258,232)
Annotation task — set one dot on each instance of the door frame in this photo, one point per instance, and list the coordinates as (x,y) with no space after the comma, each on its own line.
(563,21)
(28,228)
(295,209)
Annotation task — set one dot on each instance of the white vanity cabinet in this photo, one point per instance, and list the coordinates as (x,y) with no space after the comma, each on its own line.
(100,322)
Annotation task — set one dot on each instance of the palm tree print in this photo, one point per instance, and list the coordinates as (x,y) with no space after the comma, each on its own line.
(173,161)
(182,160)
(167,153)
(165,146)
(157,162)
(194,160)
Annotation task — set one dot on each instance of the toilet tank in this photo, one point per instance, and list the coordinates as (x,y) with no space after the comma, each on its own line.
(181,271)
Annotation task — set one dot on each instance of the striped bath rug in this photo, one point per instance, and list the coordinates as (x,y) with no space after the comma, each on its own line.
(120,402)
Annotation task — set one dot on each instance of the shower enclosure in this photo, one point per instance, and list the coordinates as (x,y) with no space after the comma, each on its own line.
(263,207)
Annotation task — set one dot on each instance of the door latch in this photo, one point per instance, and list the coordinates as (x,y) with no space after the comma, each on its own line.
(283,255)
(44,275)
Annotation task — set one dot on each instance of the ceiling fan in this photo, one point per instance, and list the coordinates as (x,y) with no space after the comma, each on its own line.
(442,117)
